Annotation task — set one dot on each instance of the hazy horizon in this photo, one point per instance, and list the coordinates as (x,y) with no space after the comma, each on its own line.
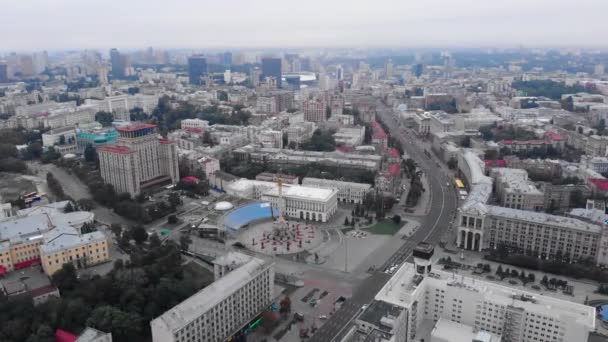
(187,24)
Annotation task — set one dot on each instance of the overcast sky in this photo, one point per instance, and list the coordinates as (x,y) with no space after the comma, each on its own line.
(76,24)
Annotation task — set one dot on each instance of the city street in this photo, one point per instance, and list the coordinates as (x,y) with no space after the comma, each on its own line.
(433,225)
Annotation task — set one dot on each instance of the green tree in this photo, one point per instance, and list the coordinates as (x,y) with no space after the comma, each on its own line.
(124,326)
(139,234)
(577,199)
(452,163)
(33,151)
(90,154)
(104,118)
(116,229)
(68,208)
(62,139)
(185,241)
(8,150)
(66,278)
(44,333)
(397,219)
(174,200)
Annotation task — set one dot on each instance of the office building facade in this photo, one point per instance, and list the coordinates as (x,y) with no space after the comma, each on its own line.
(220,310)
(139,160)
(197,69)
(271,67)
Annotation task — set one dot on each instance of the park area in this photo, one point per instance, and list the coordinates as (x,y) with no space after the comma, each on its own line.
(386,227)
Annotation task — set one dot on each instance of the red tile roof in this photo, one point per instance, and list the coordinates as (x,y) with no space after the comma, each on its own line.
(344,148)
(394,169)
(524,142)
(600,184)
(135,127)
(497,163)
(553,136)
(115,149)
(64,336)
(378,130)
(392,152)
(42,290)
(166,141)
(190,179)
(193,129)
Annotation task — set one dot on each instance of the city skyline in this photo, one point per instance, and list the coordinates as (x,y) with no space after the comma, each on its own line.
(242,23)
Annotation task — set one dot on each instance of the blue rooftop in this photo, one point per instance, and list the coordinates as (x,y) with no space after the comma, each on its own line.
(244,215)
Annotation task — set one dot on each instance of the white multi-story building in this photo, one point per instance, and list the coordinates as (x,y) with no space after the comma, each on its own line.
(514,190)
(187,139)
(441,122)
(266,104)
(194,123)
(417,297)
(348,192)
(314,110)
(217,312)
(597,164)
(302,202)
(139,160)
(209,165)
(270,138)
(423,122)
(349,136)
(596,146)
(482,226)
(120,105)
(300,132)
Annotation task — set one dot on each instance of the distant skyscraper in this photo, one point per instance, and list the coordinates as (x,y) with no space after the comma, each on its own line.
(3,73)
(255,76)
(388,68)
(227,58)
(418,69)
(102,75)
(197,69)
(119,64)
(340,73)
(40,61)
(271,67)
(26,63)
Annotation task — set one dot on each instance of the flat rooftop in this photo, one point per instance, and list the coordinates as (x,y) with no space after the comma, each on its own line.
(205,299)
(377,310)
(447,330)
(405,283)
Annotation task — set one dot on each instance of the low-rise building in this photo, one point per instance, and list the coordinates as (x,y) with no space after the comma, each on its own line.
(348,192)
(64,244)
(349,136)
(275,177)
(302,202)
(36,233)
(514,190)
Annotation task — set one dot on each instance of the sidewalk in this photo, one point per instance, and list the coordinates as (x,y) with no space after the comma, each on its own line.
(423,206)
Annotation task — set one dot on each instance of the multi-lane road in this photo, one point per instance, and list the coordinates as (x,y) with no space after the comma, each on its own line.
(433,226)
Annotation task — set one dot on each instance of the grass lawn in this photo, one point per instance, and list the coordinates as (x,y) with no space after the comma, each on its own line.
(384,227)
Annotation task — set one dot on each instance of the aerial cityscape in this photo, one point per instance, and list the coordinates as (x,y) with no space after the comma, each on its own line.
(350,172)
